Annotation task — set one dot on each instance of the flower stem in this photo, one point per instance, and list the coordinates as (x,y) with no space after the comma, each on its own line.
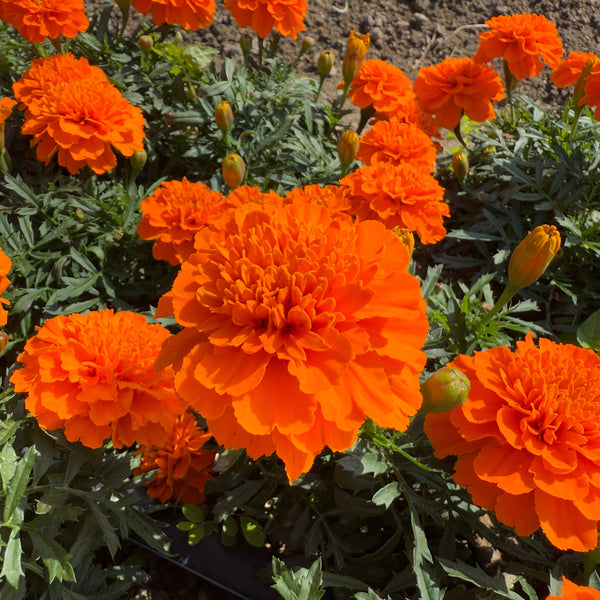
(509,291)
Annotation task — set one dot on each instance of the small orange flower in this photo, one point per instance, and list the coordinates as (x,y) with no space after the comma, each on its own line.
(181,466)
(37,20)
(399,195)
(521,40)
(5,265)
(568,71)
(572,591)
(591,90)
(528,439)
(6,106)
(395,142)
(189,14)
(456,85)
(94,376)
(381,85)
(333,197)
(81,118)
(173,215)
(296,327)
(264,15)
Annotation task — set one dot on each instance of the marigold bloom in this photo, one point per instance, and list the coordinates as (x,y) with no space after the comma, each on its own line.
(246,193)
(181,466)
(263,15)
(296,327)
(333,197)
(395,142)
(94,376)
(399,195)
(173,215)
(572,591)
(591,90)
(456,85)
(521,40)
(37,20)
(569,69)
(356,50)
(5,265)
(381,85)
(528,439)
(189,14)
(79,118)
(6,106)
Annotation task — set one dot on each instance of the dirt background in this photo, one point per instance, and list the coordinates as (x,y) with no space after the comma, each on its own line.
(409,34)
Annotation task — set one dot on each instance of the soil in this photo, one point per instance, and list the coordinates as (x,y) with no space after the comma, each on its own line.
(409,34)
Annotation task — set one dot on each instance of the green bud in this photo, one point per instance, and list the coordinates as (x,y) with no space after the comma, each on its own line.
(446,389)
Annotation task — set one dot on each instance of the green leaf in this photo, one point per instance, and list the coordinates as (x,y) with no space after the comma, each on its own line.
(193,513)
(304,584)
(588,333)
(387,494)
(196,535)
(11,560)
(252,531)
(18,483)
(54,556)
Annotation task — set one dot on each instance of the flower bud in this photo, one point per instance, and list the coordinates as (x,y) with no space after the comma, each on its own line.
(234,169)
(307,44)
(224,117)
(532,256)
(145,44)
(3,341)
(355,53)
(406,237)
(325,63)
(5,162)
(446,389)
(460,165)
(246,43)
(138,159)
(348,148)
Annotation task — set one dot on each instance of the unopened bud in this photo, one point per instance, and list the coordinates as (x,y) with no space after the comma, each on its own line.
(138,159)
(325,64)
(446,389)
(79,214)
(234,169)
(5,162)
(406,237)
(348,148)
(307,44)
(246,43)
(3,341)
(460,165)
(355,53)
(532,256)
(224,117)
(145,44)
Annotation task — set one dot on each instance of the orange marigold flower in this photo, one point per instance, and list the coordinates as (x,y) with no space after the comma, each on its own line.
(521,40)
(264,15)
(568,71)
(296,327)
(173,215)
(181,466)
(332,197)
(6,106)
(189,14)
(381,85)
(572,591)
(5,265)
(456,85)
(81,118)
(395,142)
(399,195)
(37,20)
(94,376)
(528,439)
(247,193)
(591,90)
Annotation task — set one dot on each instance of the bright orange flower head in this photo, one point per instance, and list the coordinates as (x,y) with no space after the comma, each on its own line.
(181,466)
(263,15)
(173,215)
(521,40)
(333,197)
(591,90)
(395,142)
(6,106)
(37,20)
(5,265)
(572,591)
(94,376)
(411,111)
(528,439)
(246,193)
(189,14)
(568,71)
(79,118)
(399,196)
(296,327)
(381,85)
(456,85)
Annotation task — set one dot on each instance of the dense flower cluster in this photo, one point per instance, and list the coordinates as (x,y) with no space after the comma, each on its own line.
(37,20)
(5,265)
(296,326)
(521,40)
(72,110)
(189,14)
(286,16)
(94,376)
(173,215)
(458,85)
(181,466)
(528,439)
(399,195)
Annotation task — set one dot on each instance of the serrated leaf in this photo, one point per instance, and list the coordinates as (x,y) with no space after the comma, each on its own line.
(11,559)
(54,556)
(18,483)
(387,494)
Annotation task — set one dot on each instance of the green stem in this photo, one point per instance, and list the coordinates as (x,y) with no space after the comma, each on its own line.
(321,81)
(509,291)
(342,98)
(458,134)
(576,114)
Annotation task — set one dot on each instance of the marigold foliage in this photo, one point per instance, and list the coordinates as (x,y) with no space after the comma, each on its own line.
(37,20)
(296,327)
(189,14)
(94,376)
(521,40)
(181,466)
(73,111)
(458,85)
(286,16)
(528,439)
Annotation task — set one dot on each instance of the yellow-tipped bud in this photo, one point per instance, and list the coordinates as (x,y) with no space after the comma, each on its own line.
(325,63)
(224,117)
(460,165)
(234,169)
(355,54)
(406,237)
(348,148)
(446,389)
(533,255)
